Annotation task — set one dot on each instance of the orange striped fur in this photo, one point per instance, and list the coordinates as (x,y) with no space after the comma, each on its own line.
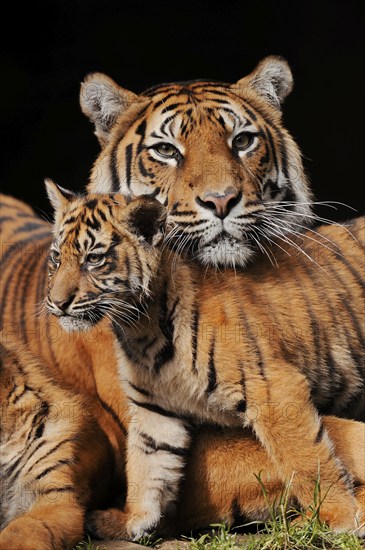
(217,155)
(49,476)
(262,348)
(86,363)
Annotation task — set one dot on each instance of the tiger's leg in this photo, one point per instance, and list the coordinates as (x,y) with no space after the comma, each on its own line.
(287,424)
(49,525)
(348,437)
(215,493)
(157,447)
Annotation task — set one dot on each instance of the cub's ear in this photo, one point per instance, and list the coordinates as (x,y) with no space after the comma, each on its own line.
(102,101)
(272,79)
(58,196)
(146,217)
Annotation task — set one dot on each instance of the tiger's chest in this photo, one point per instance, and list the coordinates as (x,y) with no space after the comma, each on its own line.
(177,390)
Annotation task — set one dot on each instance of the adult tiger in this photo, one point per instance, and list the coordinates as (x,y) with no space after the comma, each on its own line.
(217,155)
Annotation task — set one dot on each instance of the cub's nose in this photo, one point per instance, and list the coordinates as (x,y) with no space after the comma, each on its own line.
(220,204)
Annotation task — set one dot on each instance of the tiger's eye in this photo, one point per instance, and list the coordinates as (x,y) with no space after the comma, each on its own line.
(94,259)
(166,149)
(242,141)
(55,256)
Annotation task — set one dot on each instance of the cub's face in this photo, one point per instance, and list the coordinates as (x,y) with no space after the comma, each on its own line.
(102,258)
(216,155)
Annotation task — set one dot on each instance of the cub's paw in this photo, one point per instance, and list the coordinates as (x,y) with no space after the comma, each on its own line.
(115,524)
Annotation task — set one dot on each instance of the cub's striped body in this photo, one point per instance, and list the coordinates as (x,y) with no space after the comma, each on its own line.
(216,155)
(197,346)
(87,365)
(47,477)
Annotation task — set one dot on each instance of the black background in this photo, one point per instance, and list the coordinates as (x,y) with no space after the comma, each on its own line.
(49,48)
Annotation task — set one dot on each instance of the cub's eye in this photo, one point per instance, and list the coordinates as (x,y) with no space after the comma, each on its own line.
(55,256)
(95,259)
(242,141)
(166,150)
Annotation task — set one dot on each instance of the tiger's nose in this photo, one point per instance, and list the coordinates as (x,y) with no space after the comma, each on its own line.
(220,204)
(63,304)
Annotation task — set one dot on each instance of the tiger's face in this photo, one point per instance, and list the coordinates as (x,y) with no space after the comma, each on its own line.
(102,258)
(216,155)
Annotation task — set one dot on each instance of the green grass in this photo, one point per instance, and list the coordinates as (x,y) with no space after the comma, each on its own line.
(278,533)
(88,545)
(278,536)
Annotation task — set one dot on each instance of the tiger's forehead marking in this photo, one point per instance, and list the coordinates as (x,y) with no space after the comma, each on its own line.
(87,224)
(179,111)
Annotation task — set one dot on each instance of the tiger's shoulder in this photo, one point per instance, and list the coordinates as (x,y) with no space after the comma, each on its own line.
(19,223)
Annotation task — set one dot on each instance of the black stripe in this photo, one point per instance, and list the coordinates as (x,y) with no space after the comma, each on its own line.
(283,153)
(167,121)
(166,98)
(41,291)
(114,168)
(212,374)
(346,303)
(30,226)
(113,414)
(320,434)
(15,469)
(172,107)
(166,324)
(194,336)
(142,168)
(237,517)
(273,151)
(59,464)
(152,444)
(101,214)
(339,384)
(359,278)
(140,390)
(51,451)
(128,164)
(4,219)
(163,412)
(51,536)
(253,341)
(20,395)
(24,292)
(12,255)
(141,131)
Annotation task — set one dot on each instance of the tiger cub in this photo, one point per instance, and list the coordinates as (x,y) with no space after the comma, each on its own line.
(51,457)
(265,348)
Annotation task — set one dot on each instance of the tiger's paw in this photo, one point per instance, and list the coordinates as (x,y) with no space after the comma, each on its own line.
(116,524)
(341,520)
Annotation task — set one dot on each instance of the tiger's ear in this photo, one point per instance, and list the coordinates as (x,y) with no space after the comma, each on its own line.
(272,79)
(146,218)
(58,196)
(102,101)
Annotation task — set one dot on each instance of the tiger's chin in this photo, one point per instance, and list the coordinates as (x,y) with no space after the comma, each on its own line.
(226,252)
(76,324)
